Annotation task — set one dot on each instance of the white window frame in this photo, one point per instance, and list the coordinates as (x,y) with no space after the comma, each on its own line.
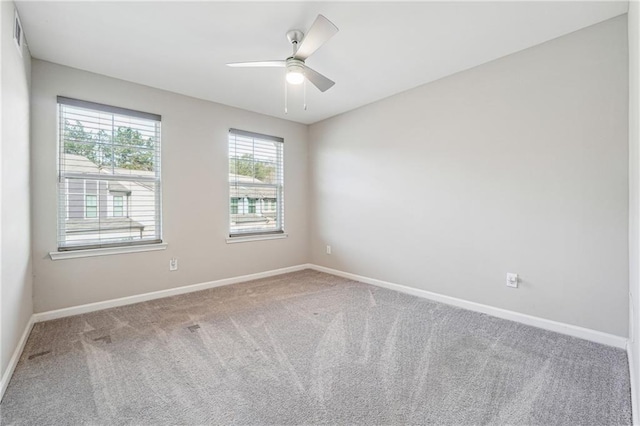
(256,234)
(102,248)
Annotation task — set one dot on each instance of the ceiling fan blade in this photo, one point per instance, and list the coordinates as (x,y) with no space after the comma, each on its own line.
(318,80)
(254,64)
(321,31)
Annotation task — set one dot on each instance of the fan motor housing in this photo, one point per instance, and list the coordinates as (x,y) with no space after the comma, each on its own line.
(295,66)
(293,63)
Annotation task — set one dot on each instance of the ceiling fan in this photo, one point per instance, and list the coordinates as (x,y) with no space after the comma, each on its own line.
(303,46)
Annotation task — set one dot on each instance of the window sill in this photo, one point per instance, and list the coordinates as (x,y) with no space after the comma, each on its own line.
(74,254)
(248,238)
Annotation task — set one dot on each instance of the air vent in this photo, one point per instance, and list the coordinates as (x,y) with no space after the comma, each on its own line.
(18,37)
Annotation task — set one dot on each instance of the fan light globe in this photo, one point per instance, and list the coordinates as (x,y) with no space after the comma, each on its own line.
(295,76)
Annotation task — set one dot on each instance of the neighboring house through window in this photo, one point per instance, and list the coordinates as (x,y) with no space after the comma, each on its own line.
(255,184)
(109,182)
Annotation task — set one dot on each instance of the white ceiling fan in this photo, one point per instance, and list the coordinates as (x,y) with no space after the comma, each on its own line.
(303,46)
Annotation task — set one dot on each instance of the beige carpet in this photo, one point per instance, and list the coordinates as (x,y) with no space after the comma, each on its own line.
(310,348)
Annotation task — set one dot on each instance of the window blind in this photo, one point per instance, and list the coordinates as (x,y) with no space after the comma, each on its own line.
(109,184)
(256,180)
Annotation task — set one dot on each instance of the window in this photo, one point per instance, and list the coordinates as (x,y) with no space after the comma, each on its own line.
(270,204)
(107,153)
(255,176)
(91,206)
(118,206)
(234,206)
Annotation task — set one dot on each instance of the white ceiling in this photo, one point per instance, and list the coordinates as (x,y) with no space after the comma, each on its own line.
(382,48)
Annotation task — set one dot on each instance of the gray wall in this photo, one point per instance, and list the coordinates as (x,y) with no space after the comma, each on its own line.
(518,165)
(195,190)
(15,228)
(634,193)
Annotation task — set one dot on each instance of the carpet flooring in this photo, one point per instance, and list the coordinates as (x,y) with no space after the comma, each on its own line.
(310,348)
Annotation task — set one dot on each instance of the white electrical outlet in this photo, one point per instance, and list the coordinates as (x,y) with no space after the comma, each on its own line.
(173,264)
(328,249)
(512,280)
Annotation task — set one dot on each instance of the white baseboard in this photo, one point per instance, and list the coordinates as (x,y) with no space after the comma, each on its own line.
(13,362)
(558,327)
(634,384)
(98,306)
(568,329)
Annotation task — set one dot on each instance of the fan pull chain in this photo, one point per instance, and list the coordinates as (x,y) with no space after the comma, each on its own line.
(286,111)
(304,84)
